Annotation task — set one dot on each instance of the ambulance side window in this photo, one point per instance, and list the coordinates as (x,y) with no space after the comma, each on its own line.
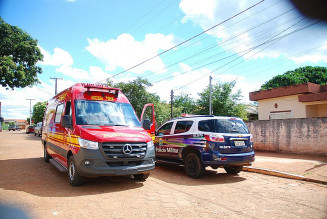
(59,110)
(68,109)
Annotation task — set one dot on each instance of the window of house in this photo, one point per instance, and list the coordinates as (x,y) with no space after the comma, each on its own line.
(280,115)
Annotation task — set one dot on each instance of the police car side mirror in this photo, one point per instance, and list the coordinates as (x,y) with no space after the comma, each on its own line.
(146,124)
(66,121)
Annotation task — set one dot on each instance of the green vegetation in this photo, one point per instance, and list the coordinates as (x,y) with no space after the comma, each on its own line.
(317,75)
(38,111)
(19,55)
(224,102)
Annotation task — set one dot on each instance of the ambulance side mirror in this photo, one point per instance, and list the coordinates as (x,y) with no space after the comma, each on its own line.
(66,121)
(146,124)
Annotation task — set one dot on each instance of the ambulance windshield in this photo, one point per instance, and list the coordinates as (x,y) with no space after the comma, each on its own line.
(105,113)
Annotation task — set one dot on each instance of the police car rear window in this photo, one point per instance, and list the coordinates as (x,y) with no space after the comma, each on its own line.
(223,126)
(183,126)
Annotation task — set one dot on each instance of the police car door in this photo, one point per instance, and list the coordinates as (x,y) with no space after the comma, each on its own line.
(181,137)
(162,140)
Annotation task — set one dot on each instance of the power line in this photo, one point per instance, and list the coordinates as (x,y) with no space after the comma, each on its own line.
(270,40)
(223,43)
(244,51)
(186,40)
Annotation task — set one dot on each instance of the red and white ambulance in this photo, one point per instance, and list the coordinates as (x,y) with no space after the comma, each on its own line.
(92,130)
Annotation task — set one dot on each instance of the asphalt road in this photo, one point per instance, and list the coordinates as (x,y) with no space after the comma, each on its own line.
(40,190)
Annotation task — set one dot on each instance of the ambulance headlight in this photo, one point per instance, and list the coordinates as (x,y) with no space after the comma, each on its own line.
(150,145)
(92,145)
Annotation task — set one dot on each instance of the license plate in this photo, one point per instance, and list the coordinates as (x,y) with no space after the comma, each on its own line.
(239,143)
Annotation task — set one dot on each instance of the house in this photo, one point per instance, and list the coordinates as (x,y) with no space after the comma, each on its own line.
(20,122)
(306,100)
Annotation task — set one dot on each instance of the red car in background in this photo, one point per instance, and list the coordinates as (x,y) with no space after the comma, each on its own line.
(29,129)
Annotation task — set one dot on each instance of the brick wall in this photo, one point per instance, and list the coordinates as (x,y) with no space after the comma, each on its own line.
(307,136)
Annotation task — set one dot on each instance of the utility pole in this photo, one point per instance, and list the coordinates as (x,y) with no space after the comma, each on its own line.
(171,103)
(56,79)
(30,110)
(210,96)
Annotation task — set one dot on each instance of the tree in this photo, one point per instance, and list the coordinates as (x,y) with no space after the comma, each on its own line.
(224,102)
(19,55)
(136,93)
(317,75)
(185,103)
(38,111)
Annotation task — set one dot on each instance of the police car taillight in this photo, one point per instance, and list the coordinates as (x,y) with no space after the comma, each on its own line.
(214,138)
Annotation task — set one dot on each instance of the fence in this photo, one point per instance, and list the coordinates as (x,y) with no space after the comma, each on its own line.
(306,136)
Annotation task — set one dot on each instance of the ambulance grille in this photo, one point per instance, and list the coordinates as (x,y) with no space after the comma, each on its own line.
(115,150)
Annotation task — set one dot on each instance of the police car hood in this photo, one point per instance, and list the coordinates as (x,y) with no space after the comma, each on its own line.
(113,134)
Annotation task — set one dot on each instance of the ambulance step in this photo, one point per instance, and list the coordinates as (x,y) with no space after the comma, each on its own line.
(58,165)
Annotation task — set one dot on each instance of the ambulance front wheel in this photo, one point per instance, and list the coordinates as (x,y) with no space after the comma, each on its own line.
(46,156)
(73,177)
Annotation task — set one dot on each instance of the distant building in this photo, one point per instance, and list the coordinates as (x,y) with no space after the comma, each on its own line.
(20,122)
(306,100)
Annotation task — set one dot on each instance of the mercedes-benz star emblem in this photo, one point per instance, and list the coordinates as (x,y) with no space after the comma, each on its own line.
(127,149)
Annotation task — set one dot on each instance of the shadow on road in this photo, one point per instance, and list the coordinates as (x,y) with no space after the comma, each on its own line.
(176,174)
(34,176)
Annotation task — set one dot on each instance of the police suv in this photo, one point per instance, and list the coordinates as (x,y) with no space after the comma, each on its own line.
(201,141)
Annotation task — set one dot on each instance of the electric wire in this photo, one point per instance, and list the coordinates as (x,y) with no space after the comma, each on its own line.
(193,37)
(299,29)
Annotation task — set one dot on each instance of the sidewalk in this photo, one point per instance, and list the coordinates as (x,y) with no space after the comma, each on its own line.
(307,167)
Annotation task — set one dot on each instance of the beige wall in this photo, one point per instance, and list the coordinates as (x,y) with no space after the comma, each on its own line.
(306,136)
(298,109)
(322,110)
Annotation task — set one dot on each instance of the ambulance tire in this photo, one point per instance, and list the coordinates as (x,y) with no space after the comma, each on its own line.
(73,177)
(193,166)
(46,156)
(142,176)
(233,169)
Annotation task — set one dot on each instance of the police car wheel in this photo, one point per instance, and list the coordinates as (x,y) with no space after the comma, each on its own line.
(142,176)
(233,169)
(193,166)
(73,177)
(46,156)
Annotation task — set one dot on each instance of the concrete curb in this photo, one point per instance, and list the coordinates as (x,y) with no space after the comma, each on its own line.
(282,174)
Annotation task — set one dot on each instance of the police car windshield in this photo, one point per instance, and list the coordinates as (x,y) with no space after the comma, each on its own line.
(105,113)
(223,126)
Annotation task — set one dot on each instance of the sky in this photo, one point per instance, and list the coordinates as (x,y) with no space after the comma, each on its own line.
(187,41)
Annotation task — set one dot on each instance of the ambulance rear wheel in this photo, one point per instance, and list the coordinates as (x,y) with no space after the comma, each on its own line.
(193,166)
(73,177)
(233,169)
(142,176)
(46,156)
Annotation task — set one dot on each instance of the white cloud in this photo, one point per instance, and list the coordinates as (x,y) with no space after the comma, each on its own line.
(97,74)
(164,87)
(201,76)
(200,10)
(59,57)
(126,52)
(74,73)
(15,105)
(209,13)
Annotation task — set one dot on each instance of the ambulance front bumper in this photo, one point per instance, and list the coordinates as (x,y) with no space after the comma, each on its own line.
(92,163)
